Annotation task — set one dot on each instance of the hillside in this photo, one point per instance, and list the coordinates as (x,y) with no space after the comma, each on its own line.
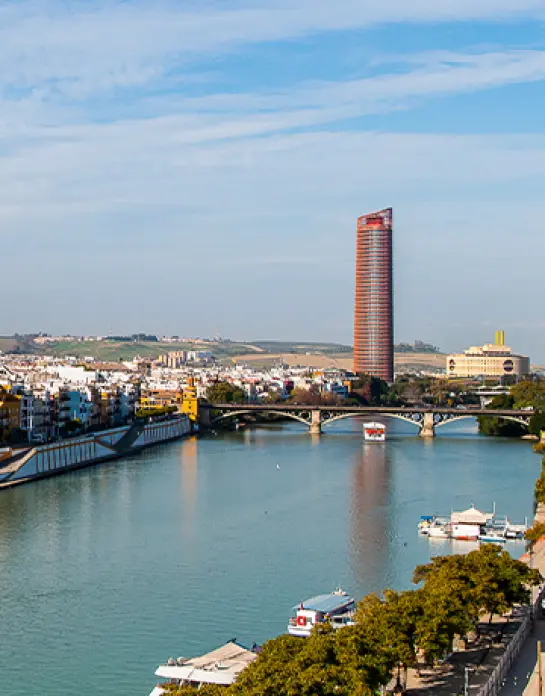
(258,353)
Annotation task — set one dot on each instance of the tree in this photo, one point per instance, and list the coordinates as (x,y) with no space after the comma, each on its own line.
(535,533)
(225,393)
(272,671)
(443,616)
(539,490)
(313,397)
(488,580)
(529,393)
(537,422)
(385,634)
(372,390)
(499,426)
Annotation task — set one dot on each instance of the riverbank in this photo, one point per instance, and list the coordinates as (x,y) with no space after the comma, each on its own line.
(516,640)
(43,461)
(79,553)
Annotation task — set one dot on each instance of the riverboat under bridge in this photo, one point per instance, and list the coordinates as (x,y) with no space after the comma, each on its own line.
(425,418)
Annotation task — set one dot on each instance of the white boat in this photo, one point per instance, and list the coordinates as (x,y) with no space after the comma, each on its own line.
(221,666)
(516,531)
(492,537)
(425,523)
(439,528)
(338,608)
(374,432)
(468,524)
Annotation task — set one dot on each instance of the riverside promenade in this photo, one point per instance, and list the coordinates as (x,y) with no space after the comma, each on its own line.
(477,663)
(522,680)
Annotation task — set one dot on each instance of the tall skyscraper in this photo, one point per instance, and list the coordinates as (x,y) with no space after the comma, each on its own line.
(374,316)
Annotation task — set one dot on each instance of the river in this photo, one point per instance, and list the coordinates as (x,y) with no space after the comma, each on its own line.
(108,571)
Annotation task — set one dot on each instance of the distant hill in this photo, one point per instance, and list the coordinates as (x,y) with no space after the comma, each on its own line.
(115,348)
(301,347)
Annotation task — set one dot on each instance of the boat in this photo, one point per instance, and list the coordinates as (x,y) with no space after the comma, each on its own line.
(221,666)
(425,523)
(439,528)
(491,536)
(515,531)
(374,432)
(468,524)
(337,607)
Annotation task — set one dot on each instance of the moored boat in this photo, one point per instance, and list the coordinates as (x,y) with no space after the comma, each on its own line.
(337,607)
(425,523)
(221,666)
(472,525)
(440,528)
(492,537)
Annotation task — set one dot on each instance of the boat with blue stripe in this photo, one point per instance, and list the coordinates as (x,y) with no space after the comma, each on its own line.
(338,608)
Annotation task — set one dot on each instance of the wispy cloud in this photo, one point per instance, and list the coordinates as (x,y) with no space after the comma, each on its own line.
(83,47)
(107,161)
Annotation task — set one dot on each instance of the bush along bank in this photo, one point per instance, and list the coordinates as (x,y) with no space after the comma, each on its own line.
(398,630)
(537,531)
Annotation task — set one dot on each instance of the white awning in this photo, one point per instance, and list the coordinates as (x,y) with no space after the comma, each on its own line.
(470,516)
(197,676)
(221,666)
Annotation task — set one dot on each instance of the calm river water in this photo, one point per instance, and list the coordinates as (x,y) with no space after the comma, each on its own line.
(106,572)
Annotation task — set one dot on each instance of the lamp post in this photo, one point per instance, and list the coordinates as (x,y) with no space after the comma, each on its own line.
(466,681)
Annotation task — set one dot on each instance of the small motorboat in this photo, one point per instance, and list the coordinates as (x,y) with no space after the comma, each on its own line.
(425,523)
(492,537)
(439,528)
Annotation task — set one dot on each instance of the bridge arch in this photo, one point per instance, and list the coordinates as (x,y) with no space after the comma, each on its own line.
(514,419)
(344,416)
(244,412)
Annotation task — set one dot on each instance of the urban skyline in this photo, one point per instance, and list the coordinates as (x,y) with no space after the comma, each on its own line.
(226,154)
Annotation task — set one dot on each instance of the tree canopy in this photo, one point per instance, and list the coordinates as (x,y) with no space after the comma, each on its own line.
(500,426)
(225,393)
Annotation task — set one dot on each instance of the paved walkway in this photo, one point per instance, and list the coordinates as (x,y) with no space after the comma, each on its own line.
(449,679)
(522,679)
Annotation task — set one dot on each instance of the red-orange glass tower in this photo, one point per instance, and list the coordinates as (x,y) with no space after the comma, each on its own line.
(374,316)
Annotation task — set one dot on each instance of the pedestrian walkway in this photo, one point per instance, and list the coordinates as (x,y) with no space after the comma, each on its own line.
(477,663)
(522,679)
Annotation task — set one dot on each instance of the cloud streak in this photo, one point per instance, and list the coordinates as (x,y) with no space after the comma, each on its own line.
(82,47)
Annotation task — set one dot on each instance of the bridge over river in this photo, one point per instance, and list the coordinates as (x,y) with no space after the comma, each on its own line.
(426,419)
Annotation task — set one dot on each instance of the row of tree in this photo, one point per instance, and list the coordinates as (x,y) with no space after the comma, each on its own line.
(526,394)
(399,630)
(535,533)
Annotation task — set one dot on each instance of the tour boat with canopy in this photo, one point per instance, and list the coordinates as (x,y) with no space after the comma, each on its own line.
(221,666)
(374,432)
(338,608)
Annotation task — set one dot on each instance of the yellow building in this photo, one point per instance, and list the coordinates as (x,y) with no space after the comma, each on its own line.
(190,403)
(491,360)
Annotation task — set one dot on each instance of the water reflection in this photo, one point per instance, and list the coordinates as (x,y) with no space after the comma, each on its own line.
(189,482)
(369,533)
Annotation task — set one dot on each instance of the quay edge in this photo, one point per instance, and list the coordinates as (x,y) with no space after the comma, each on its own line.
(56,458)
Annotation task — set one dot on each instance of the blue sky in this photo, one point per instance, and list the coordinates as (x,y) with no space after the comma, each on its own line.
(198,167)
